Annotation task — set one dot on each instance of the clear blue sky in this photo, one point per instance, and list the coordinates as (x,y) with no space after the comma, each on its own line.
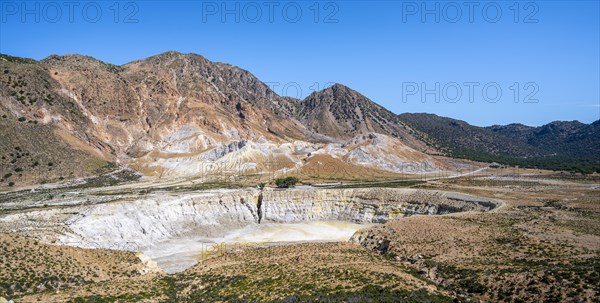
(381,49)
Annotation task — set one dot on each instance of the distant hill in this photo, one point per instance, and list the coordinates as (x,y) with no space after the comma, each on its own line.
(558,145)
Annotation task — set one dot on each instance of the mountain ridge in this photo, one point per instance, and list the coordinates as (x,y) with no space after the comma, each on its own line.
(167,114)
(155,110)
(559,145)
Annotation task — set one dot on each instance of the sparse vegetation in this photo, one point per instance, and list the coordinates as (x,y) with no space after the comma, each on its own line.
(542,245)
(16,60)
(286,182)
(518,254)
(569,146)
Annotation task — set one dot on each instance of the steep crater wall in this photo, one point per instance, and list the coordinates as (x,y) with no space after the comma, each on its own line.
(158,217)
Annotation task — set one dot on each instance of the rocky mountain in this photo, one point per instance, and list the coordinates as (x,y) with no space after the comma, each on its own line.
(41,129)
(459,137)
(569,138)
(168,114)
(341,112)
(172,102)
(172,114)
(560,145)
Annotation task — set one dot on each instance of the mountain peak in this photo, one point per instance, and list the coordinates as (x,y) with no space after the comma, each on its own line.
(341,112)
(171,52)
(339,86)
(71,58)
(339,94)
(80,62)
(168,56)
(9,58)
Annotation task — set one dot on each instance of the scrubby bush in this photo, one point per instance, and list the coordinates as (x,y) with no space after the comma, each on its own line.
(286,182)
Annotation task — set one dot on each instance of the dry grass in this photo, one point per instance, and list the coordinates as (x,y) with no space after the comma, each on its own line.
(541,245)
(29,266)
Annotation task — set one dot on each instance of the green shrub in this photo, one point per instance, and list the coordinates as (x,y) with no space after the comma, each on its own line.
(286,182)
(11,184)
(22,119)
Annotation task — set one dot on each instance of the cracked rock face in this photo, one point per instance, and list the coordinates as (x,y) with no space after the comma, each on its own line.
(159,217)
